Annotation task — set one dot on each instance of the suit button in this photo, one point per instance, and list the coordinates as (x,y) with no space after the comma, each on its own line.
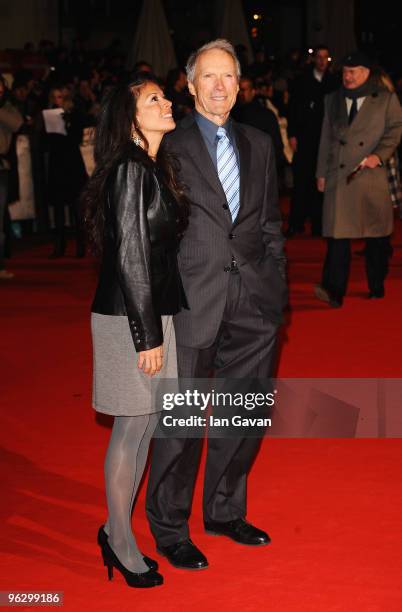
(342,165)
(231,236)
(342,142)
(361,143)
(226,269)
(225,206)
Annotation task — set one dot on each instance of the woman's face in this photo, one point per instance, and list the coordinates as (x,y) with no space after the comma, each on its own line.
(154,111)
(57,98)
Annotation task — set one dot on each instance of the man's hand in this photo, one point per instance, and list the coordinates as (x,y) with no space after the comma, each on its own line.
(372,161)
(321,184)
(293,143)
(150,362)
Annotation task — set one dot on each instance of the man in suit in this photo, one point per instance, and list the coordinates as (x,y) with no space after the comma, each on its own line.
(233,269)
(361,130)
(252,111)
(305,115)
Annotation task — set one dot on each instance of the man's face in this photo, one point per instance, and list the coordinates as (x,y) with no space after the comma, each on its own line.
(246,91)
(215,85)
(320,60)
(21,93)
(354,77)
(182,81)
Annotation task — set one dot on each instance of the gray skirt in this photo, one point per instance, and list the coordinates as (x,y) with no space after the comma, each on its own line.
(119,387)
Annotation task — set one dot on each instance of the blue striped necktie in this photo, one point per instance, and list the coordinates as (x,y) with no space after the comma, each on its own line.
(228,171)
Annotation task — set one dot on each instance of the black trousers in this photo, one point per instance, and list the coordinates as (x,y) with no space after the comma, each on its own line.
(336,269)
(244,347)
(60,230)
(306,202)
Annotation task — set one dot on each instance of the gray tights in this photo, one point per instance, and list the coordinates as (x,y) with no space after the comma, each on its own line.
(124,466)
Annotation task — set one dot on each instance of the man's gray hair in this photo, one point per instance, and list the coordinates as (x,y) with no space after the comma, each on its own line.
(220,43)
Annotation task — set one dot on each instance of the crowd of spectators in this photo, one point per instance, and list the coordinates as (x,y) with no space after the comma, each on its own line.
(76,80)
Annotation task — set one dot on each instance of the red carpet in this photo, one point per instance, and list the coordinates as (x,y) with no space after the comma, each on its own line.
(332,507)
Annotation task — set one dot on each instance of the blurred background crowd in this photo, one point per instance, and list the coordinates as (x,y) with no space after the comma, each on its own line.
(44,165)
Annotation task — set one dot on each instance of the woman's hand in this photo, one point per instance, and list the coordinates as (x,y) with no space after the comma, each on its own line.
(150,362)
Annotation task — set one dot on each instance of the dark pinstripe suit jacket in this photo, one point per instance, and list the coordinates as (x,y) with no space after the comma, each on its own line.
(254,239)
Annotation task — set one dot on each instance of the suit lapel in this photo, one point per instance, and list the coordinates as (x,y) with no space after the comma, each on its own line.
(198,152)
(342,113)
(244,148)
(364,112)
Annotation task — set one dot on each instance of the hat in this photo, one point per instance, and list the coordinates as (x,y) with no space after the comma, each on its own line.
(356,58)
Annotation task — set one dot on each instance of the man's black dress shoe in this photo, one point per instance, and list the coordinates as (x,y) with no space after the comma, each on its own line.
(184,555)
(325,296)
(292,231)
(102,540)
(240,531)
(375,295)
(56,254)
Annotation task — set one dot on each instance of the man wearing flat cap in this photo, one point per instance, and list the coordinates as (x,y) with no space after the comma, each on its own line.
(361,129)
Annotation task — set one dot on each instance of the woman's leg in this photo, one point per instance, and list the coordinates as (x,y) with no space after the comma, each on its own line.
(124,466)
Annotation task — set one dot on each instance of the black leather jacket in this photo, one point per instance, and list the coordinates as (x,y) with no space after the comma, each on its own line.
(139,277)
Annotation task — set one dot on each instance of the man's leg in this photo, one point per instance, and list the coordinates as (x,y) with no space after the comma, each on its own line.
(297,213)
(175,464)
(335,274)
(377,254)
(245,349)
(316,212)
(59,230)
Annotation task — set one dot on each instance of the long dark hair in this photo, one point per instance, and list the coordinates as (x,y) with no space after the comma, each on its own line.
(113,144)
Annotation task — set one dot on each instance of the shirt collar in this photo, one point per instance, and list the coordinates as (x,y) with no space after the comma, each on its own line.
(318,75)
(209,129)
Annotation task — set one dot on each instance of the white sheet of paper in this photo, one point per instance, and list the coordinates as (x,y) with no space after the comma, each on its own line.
(54,122)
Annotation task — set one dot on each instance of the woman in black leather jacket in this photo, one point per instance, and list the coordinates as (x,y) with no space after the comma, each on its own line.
(135,212)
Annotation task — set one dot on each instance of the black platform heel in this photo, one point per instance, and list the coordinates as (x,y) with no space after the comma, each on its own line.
(102,538)
(142,580)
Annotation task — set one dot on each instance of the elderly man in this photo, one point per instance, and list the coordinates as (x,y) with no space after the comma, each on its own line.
(361,130)
(233,270)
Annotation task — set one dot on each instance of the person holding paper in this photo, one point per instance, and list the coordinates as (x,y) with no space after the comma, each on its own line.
(66,171)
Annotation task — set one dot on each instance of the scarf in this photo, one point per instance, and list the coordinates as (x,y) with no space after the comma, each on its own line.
(367,89)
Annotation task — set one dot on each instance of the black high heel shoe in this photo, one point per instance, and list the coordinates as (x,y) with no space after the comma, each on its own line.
(102,538)
(142,580)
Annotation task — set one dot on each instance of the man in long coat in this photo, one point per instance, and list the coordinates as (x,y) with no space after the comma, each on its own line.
(361,130)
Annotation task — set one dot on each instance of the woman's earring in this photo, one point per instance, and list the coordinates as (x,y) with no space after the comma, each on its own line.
(136,139)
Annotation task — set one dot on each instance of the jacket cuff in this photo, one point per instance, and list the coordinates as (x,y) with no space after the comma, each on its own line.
(143,341)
